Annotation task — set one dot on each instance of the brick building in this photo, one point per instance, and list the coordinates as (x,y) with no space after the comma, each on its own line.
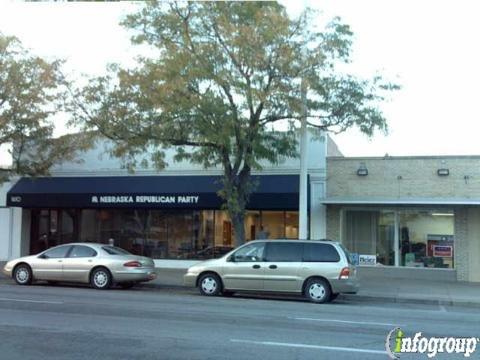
(410,216)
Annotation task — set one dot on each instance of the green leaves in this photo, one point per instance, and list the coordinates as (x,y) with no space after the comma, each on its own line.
(224,75)
(31,93)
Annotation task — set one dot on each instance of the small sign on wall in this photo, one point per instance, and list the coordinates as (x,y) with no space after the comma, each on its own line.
(367,260)
(442,251)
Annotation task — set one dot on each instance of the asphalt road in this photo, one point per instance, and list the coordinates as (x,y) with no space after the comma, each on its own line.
(67,322)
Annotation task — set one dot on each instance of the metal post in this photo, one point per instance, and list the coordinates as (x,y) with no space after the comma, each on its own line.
(303,210)
(396,239)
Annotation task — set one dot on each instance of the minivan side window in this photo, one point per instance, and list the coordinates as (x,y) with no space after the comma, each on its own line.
(250,253)
(320,253)
(284,252)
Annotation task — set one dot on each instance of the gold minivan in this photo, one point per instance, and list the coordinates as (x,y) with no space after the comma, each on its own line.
(320,270)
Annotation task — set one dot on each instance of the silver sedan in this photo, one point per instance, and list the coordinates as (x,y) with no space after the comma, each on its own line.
(100,265)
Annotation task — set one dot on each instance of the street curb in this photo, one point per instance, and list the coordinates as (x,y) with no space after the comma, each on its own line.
(396,300)
(359,298)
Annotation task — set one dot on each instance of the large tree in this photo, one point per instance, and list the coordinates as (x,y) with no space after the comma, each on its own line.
(31,93)
(219,78)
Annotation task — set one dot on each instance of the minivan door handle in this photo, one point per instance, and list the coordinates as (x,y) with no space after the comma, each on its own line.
(256,266)
(273,266)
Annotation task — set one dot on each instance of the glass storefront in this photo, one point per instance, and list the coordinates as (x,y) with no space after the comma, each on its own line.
(160,234)
(401,237)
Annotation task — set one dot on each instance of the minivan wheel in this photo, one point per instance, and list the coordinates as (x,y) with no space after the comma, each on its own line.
(23,274)
(210,285)
(318,291)
(101,278)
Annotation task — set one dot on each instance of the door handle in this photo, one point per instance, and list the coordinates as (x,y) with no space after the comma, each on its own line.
(59,260)
(272,267)
(256,266)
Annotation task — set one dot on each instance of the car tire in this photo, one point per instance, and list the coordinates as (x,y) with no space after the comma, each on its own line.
(318,290)
(22,274)
(210,285)
(334,296)
(100,278)
(127,285)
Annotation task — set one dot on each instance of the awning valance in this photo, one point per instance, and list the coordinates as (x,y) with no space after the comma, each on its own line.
(275,192)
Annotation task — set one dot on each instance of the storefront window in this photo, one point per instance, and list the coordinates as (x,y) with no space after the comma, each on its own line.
(223,229)
(291,224)
(385,248)
(160,234)
(425,238)
(372,234)
(253,224)
(67,228)
(273,223)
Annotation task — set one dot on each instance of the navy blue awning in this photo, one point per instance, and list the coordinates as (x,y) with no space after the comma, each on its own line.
(274,192)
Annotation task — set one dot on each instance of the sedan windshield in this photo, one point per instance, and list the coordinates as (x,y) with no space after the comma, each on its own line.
(113,250)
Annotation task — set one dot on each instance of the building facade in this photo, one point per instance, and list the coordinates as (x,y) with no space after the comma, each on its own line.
(173,214)
(399,216)
(404,213)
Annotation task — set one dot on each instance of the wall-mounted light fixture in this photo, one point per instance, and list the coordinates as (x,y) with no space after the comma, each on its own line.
(362,170)
(443,172)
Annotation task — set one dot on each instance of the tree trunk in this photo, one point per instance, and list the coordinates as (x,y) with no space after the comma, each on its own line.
(238,222)
(237,189)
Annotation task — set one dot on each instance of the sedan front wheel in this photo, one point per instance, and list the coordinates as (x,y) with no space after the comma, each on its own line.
(23,274)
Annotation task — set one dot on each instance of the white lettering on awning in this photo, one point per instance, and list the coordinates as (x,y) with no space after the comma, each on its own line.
(145,199)
(187,199)
(116,199)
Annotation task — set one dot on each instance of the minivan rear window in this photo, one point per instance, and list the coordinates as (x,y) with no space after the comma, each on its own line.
(320,253)
(347,254)
(284,251)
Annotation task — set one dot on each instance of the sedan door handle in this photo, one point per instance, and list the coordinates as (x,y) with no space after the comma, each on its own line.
(256,266)
(59,260)
(272,267)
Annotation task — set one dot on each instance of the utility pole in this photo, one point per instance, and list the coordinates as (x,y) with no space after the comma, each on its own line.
(303,200)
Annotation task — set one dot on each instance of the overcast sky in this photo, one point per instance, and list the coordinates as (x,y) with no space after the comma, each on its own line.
(429,47)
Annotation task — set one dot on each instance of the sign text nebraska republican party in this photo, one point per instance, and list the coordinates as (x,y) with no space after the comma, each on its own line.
(145,199)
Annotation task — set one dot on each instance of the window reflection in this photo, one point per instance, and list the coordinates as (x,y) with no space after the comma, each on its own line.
(160,234)
(425,236)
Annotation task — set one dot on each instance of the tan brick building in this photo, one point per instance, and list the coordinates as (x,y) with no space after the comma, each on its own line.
(417,216)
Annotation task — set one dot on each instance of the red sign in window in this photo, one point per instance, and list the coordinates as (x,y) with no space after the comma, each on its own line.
(442,251)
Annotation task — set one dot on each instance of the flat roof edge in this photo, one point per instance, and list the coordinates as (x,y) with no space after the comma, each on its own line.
(399,202)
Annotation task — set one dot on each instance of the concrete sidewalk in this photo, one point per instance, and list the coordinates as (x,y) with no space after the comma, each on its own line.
(372,289)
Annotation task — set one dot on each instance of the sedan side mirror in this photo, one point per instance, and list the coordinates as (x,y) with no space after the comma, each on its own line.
(42,256)
(231,258)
